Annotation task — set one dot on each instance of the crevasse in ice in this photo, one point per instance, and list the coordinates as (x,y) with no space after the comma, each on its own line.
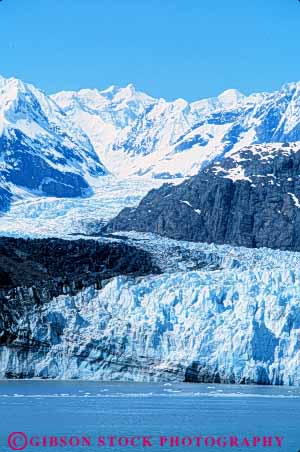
(236,322)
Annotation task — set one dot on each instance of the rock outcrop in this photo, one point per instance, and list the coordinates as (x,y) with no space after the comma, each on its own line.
(251,198)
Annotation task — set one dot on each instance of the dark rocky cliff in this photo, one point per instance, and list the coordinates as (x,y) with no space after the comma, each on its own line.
(74,263)
(33,272)
(251,198)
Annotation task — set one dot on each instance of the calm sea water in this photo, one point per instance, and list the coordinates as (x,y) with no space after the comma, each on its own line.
(94,409)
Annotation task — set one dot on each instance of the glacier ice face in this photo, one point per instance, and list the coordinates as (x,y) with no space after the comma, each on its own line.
(239,323)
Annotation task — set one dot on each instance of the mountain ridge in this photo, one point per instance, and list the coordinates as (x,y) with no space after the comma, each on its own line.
(54,145)
(138,135)
(41,151)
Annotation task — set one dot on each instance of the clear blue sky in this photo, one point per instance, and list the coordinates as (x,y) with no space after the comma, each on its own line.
(168,48)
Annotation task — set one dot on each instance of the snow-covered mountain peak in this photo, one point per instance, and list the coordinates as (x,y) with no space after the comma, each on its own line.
(94,99)
(11,82)
(116,93)
(85,100)
(23,101)
(130,94)
(110,92)
(9,91)
(130,88)
(291,87)
(136,134)
(28,109)
(180,103)
(41,149)
(231,97)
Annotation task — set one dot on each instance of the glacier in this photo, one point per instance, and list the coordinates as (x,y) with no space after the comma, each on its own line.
(216,314)
(47,216)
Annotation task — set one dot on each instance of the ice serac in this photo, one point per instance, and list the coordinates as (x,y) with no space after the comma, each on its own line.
(41,151)
(250,198)
(234,322)
(136,134)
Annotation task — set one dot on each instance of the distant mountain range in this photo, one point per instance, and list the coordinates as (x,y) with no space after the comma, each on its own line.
(55,145)
(135,134)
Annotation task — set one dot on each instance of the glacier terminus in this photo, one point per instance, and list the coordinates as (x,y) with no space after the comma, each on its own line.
(149,241)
